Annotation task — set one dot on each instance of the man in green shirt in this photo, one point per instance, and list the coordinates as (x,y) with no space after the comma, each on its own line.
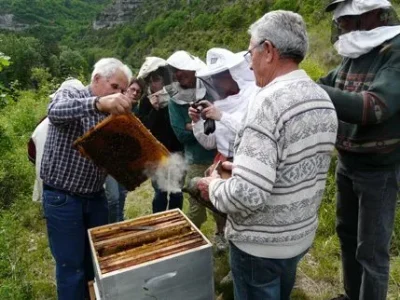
(189,89)
(365,91)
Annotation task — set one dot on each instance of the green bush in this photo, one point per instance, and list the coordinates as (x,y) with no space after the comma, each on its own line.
(203,21)
(313,69)
(232,17)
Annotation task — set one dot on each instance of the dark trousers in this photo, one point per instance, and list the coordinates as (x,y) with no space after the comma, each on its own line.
(257,278)
(68,217)
(160,200)
(366,203)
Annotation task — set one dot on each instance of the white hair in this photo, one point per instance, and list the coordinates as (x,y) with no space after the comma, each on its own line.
(286,30)
(107,67)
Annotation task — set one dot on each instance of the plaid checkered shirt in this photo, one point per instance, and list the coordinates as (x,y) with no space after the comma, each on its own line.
(71,112)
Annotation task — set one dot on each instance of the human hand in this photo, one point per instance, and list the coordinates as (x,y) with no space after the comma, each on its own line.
(116,104)
(203,186)
(194,114)
(210,111)
(189,127)
(154,101)
(227,165)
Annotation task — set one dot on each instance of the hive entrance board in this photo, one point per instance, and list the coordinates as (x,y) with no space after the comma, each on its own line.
(122,245)
(124,148)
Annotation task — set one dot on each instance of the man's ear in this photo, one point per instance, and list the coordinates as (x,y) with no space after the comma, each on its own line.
(269,50)
(96,78)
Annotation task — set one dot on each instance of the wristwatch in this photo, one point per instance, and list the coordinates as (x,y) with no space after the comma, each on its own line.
(96,101)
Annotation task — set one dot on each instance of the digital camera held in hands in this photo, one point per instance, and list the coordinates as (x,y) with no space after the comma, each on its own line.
(209,124)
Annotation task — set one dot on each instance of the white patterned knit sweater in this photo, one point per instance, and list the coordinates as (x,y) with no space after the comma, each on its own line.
(282,156)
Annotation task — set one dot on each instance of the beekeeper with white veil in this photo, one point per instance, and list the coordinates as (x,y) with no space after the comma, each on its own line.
(229,83)
(364,90)
(185,90)
(156,75)
(154,114)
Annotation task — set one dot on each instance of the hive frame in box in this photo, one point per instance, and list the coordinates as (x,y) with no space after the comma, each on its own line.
(185,275)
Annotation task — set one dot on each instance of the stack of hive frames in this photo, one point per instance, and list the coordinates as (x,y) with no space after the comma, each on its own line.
(144,239)
(124,147)
(161,256)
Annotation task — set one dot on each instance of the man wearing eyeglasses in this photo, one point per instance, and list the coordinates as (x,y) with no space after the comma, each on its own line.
(281,160)
(73,195)
(365,91)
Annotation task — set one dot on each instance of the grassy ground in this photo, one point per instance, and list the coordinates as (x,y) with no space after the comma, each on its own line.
(25,256)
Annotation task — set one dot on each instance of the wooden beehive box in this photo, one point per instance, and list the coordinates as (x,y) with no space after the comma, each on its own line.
(160,256)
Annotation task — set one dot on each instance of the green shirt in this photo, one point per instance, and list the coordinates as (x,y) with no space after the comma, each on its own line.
(194,152)
(366,95)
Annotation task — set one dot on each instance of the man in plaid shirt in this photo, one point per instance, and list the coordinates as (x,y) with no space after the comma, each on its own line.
(73,195)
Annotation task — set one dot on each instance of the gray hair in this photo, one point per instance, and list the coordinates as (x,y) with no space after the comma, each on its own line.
(286,30)
(107,67)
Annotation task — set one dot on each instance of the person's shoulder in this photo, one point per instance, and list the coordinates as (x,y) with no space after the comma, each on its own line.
(395,41)
(391,47)
(72,91)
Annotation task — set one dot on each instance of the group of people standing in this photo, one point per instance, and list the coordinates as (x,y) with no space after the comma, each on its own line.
(272,126)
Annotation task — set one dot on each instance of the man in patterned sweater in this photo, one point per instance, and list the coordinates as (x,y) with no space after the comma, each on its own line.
(282,156)
(365,91)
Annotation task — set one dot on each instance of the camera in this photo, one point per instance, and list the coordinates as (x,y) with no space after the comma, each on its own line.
(209,124)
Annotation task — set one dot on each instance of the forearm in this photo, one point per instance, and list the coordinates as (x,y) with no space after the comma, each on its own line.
(237,195)
(348,105)
(363,108)
(207,141)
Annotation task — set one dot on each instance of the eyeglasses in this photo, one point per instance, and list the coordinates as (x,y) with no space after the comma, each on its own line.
(247,55)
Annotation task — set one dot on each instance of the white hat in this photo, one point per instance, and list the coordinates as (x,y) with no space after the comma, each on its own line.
(151,64)
(358,7)
(70,82)
(183,60)
(219,60)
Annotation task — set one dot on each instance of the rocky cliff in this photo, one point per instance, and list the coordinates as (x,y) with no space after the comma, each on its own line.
(119,12)
(7,22)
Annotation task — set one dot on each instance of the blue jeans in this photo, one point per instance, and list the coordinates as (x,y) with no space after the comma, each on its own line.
(366,204)
(116,195)
(160,200)
(257,278)
(68,217)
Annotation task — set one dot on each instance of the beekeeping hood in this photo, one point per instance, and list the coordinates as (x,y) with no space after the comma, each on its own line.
(183,60)
(221,65)
(69,83)
(342,8)
(150,65)
(155,69)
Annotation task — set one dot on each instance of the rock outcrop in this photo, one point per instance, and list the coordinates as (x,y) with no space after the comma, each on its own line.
(119,12)
(7,22)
